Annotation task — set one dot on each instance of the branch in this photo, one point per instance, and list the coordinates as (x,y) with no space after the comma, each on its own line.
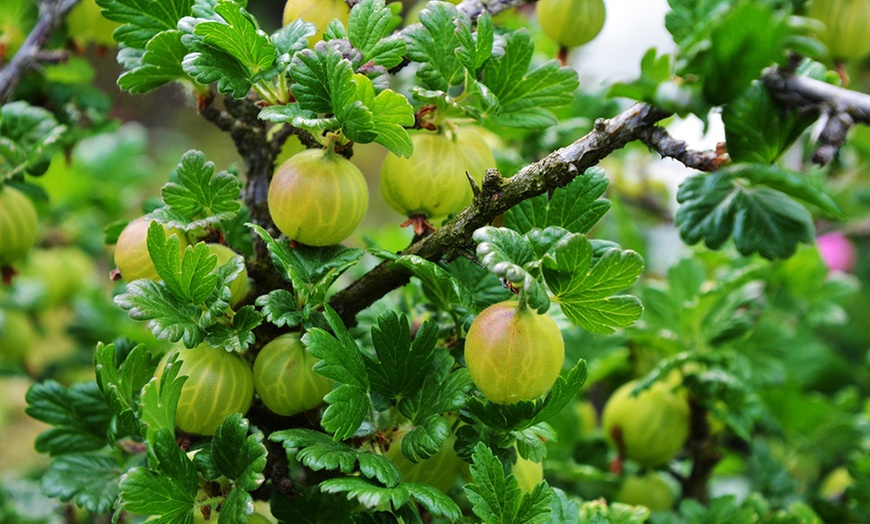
(840,108)
(51,15)
(497,196)
(474,8)
(658,139)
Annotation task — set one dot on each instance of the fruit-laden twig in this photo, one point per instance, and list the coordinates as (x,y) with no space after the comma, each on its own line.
(51,15)
(498,195)
(840,108)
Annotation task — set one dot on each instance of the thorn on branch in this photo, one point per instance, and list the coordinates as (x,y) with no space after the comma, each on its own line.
(658,139)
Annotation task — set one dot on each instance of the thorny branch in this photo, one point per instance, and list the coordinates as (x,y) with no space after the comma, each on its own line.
(840,108)
(497,196)
(51,15)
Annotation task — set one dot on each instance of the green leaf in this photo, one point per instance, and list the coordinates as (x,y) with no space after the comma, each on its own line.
(401,365)
(190,278)
(280,308)
(238,456)
(687,18)
(319,452)
(28,135)
(524,94)
(341,360)
(208,65)
(433,42)
(158,66)
(508,255)
(426,439)
(159,401)
(311,270)
(79,415)
(715,207)
(142,19)
(121,385)
(89,479)
(443,290)
(238,36)
(311,506)
(166,317)
(391,111)
(238,336)
(531,441)
(168,491)
(368,29)
(496,497)
(586,291)
(576,207)
(372,496)
(291,39)
(301,118)
(759,130)
(323,80)
(444,390)
(524,414)
(475,48)
(563,510)
(747,38)
(200,198)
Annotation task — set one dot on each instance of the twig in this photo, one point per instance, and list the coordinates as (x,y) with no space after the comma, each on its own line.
(840,107)
(498,195)
(51,14)
(663,143)
(474,8)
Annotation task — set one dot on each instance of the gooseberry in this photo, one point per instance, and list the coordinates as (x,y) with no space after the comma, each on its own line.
(131,250)
(846,23)
(318,197)
(528,473)
(432,183)
(18,224)
(571,23)
(650,490)
(652,426)
(513,354)
(284,379)
(218,383)
(318,12)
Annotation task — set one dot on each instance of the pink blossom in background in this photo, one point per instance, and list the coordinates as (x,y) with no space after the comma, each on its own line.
(837,251)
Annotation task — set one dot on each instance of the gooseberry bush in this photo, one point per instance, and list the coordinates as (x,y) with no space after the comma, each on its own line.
(437,281)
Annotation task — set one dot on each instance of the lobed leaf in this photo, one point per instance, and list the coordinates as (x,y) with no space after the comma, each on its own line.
(91,480)
(401,365)
(121,385)
(200,198)
(142,20)
(168,491)
(586,291)
(79,415)
(433,42)
(318,452)
(525,93)
(159,65)
(372,496)
(722,205)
